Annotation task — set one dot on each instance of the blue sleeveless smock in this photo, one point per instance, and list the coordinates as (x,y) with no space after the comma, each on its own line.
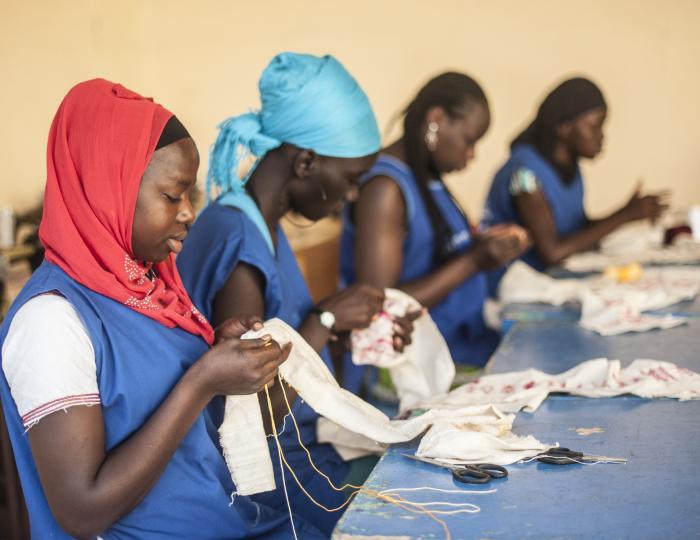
(139,361)
(459,315)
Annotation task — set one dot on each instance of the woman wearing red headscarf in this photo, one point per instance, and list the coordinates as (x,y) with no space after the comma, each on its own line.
(106,363)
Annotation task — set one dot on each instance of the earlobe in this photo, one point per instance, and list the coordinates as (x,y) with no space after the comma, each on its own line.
(435,115)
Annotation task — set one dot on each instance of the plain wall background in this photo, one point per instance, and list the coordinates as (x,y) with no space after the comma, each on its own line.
(202,60)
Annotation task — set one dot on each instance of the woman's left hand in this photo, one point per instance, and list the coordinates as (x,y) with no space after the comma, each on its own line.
(403,328)
(236,327)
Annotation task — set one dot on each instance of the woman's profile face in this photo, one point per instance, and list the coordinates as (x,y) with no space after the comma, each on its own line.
(329,184)
(586,135)
(164,211)
(457,137)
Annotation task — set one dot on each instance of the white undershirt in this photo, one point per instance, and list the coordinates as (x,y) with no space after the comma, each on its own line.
(48,359)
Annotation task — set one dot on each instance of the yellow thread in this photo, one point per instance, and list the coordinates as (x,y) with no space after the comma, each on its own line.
(397,500)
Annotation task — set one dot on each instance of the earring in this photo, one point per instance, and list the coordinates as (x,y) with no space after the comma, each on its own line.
(431,136)
(323,191)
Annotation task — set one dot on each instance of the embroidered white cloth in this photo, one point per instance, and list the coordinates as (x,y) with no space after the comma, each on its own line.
(479,434)
(465,425)
(600,377)
(251,465)
(424,368)
(607,307)
(636,242)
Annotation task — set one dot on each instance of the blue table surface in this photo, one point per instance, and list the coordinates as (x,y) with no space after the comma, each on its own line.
(554,346)
(655,495)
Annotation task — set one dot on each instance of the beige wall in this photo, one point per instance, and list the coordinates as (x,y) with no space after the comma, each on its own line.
(202,60)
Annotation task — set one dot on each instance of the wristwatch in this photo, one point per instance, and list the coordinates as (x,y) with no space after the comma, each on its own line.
(326,317)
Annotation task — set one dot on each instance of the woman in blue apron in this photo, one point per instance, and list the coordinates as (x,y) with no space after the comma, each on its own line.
(407,231)
(541,186)
(314,136)
(106,363)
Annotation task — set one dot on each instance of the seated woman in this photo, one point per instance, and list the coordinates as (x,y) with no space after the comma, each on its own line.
(106,364)
(541,186)
(407,231)
(313,138)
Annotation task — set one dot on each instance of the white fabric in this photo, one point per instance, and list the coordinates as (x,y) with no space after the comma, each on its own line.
(466,425)
(305,371)
(466,435)
(48,359)
(636,242)
(243,440)
(424,368)
(607,307)
(600,377)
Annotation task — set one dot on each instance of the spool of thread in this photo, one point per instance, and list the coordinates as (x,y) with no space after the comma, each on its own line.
(624,274)
(7,227)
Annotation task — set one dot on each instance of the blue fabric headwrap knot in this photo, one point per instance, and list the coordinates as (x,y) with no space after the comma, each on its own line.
(308,101)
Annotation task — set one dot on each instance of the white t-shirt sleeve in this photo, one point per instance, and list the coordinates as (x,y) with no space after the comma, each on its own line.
(48,359)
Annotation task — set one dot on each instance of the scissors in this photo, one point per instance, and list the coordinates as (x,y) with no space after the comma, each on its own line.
(479,473)
(565,456)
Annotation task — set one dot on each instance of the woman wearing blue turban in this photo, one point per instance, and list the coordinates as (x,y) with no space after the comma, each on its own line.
(304,151)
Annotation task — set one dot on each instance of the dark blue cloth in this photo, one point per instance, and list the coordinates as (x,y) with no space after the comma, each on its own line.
(139,361)
(459,316)
(220,239)
(565,201)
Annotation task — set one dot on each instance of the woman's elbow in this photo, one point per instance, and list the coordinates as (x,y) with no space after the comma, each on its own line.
(549,255)
(82,522)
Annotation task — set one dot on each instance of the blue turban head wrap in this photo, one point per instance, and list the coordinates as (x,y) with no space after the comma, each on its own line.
(308,101)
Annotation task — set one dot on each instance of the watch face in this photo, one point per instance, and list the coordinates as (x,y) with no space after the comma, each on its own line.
(327,319)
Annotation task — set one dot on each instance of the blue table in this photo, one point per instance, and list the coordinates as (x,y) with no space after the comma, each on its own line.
(557,345)
(655,495)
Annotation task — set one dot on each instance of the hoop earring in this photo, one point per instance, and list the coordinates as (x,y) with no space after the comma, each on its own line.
(431,136)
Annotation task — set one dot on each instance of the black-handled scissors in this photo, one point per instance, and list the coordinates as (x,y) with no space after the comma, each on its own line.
(478,473)
(565,456)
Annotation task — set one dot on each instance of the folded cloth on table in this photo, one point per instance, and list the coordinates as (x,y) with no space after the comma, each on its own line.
(607,307)
(638,242)
(600,377)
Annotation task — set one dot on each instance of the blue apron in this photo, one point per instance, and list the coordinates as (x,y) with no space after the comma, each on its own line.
(565,201)
(459,315)
(220,239)
(139,361)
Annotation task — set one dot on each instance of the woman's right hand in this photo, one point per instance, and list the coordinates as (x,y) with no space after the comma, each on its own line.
(499,245)
(240,366)
(645,206)
(353,307)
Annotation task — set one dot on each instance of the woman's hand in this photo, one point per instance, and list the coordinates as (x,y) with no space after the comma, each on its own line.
(240,366)
(403,329)
(499,245)
(236,327)
(645,206)
(353,307)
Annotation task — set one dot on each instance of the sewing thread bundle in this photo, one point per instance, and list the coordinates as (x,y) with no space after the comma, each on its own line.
(396,500)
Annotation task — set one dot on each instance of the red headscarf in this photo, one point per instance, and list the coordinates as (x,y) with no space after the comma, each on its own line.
(101,141)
